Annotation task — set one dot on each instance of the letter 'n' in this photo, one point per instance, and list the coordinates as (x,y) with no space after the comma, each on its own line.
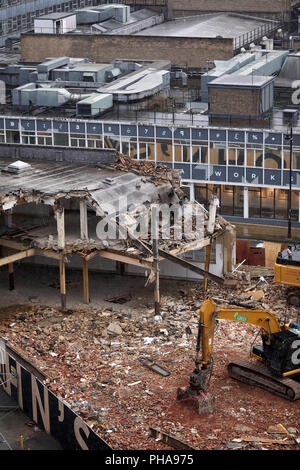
(44,409)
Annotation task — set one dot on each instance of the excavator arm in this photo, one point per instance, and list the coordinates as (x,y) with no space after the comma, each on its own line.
(276,355)
(210,312)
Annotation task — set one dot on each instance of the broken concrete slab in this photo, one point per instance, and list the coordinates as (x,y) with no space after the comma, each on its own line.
(114,329)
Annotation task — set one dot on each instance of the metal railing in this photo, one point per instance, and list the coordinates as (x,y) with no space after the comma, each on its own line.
(153,3)
(247,38)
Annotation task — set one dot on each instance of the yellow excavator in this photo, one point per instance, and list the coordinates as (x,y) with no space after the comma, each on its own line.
(277,369)
(287,272)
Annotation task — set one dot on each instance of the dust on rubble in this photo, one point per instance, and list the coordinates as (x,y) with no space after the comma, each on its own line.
(91,358)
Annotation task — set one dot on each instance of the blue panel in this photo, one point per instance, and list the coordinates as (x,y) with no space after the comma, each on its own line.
(295,178)
(235,174)
(182,133)
(43,126)
(27,125)
(200,172)
(111,129)
(236,136)
(94,128)
(199,134)
(255,137)
(217,173)
(60,126)
(273,177)
(273,139)
(146,131)
(217,136)
(77,127)
(12,124)
(163,133)
(254,175)
(128,130)
(186,170)
(1,123)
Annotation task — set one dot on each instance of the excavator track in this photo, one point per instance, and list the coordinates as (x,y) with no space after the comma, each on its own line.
(258,375)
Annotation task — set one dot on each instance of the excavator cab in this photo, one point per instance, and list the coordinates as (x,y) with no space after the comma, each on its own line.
(287,272)
(280,350)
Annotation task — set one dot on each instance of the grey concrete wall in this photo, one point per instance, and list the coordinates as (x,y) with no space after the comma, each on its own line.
(32,152)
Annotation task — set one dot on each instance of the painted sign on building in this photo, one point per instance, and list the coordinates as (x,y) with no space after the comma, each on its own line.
(44,408)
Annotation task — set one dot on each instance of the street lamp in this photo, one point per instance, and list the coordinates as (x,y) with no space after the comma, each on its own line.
(292,115)
(289,139)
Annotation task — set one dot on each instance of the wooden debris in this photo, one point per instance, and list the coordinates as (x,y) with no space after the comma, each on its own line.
(169,439)
(277,429)
(267,440)
(158,173)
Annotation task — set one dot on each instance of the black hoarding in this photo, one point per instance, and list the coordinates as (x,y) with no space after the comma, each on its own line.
(45,409)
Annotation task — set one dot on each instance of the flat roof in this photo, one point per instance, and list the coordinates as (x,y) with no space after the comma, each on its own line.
(55,16)
(87,67)
(226,25)
(51,177)
(240,81)
(135,17)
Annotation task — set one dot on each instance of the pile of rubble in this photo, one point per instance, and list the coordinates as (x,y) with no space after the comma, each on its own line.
(159,173)
(95,360)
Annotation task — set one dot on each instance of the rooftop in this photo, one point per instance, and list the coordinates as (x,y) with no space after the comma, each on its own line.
(53,177)
(112,24)
(56,16)
(234,80)
(226,25)
(89,67)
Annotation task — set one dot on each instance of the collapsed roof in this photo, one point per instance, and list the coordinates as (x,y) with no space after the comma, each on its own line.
(121,195)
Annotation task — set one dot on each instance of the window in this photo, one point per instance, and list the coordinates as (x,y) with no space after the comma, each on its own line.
(44,138)
(146,149)
(164,150)
(77,140)
(28,138)
(199,152)
(94,141)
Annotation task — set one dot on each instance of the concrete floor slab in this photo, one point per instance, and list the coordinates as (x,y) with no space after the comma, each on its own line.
(14,424)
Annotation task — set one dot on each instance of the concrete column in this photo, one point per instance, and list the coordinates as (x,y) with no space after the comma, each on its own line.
(214,203)
(60,220)
(229,252)
(83,220)
(246,203)
(192,192)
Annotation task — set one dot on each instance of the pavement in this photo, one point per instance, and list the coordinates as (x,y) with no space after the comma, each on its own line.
(266,232)
(14,424)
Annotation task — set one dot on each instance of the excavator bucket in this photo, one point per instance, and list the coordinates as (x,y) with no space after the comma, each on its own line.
(204,403)
(195,396)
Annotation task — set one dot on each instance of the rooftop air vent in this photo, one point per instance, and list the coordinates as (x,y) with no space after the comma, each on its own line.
(108,181)
(18,167)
